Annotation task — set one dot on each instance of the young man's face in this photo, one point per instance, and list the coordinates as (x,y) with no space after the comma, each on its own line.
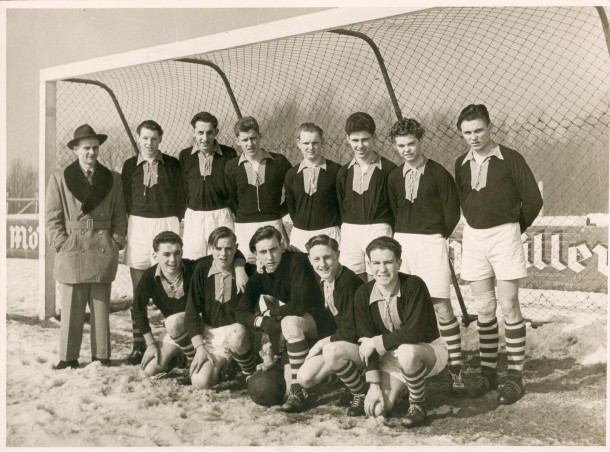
(269,253)
(87,150)
(477,135)
(205,136)
(384,266)
(149,141)
(169,257)
(324,260)
(310,145)
(362,144)
(223,253)
(409,148)
(249,142)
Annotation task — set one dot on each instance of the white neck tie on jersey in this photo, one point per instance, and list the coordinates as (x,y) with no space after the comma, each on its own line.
(329,300)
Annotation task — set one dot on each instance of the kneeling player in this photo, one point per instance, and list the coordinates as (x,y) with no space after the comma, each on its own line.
(210,314)
(166,284)
(288,277)
(338,284)
(400,342)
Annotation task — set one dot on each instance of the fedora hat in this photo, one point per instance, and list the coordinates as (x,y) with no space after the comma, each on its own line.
(85,131)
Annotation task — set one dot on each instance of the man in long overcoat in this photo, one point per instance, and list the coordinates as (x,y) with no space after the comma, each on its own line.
(86,225)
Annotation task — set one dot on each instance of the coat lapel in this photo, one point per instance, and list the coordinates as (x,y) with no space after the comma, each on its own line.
(90,196)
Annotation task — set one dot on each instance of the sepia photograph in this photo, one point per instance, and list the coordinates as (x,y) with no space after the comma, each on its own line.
(305,225)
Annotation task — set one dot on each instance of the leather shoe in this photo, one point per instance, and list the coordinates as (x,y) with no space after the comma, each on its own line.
(104,362)
(484,382)
(512,391)
(416,416)
(135,357)
(73,364)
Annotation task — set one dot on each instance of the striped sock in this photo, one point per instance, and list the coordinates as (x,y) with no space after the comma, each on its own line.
(416,384)
(351,378)
(488,344)
(185,344)
(450,332)
(138,337)
(247,361)
(297,351)
(515,346)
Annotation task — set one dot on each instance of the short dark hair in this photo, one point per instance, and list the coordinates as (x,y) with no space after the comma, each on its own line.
(150,125)
(310,127)
(406,126)
(246,124)
(264,233)
(166,237)
(221,232)
(358,122)
(322,239)
(204,116)
(472,112)
(384,243)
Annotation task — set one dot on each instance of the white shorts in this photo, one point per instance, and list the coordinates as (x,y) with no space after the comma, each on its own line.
(216,341)
(140,234)
(494,251)
(354,240)
(198,225)
(427,257)
(390,365)
(245,231)
(299,237)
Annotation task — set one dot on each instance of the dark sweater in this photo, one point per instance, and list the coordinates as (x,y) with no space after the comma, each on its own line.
(164,199)
(252,204)
(345,288)
(317,211)
(436,210)
(201,300)
(511,194)
(294,283)
(415,310)
(207,193)
(151,288)
(373,205)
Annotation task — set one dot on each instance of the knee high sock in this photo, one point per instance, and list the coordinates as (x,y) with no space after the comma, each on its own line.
(247,361)
(297,351)
(488,345)
(515,347)
(416,383)
(450,332)
(185,344)
(351,378)
(138,337)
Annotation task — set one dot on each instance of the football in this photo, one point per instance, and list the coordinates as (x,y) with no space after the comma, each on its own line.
(267,388)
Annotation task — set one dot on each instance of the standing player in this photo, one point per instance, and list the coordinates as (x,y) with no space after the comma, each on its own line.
(500,200)
(86,226)
(338,284)
(289,278)
(203,166)
(154,197)
(311,194)
(254,184)
(362,193)
(210,314)
(401,345)
(426,211)
(167,285)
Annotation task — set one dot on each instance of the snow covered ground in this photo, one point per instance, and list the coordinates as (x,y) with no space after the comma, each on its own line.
(565,402)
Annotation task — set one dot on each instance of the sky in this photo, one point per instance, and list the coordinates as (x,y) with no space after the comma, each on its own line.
(38,38)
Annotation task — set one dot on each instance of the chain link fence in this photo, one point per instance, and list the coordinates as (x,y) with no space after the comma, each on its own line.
(542,72)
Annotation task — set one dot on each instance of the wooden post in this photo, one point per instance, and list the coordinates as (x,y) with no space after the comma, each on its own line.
(47,161)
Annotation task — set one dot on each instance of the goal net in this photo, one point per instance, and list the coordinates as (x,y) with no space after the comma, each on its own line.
(542,72)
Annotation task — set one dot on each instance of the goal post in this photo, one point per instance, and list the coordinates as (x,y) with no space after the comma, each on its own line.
(542,72)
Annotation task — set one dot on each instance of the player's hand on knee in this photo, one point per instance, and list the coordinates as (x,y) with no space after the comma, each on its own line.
(317,348)
(201,356)
(152,352)
(366,349)
(374,402)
